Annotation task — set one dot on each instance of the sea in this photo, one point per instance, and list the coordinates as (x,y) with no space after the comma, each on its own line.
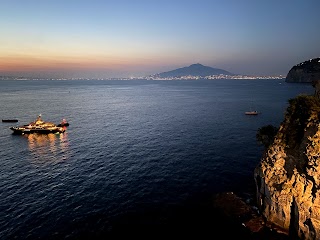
(138,156)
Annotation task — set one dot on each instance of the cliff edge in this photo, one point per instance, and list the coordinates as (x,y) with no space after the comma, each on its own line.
(305,72)
(288,176)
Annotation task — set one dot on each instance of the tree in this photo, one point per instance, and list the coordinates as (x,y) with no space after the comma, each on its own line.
(265,135)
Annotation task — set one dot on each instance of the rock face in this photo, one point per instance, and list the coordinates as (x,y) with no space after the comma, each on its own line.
(288,176)
(307,72)
(236,219)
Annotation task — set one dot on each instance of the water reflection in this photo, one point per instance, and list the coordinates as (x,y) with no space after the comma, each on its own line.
(48,148)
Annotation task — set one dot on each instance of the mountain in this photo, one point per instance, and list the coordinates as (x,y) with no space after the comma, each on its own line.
(193,70)
(304,72)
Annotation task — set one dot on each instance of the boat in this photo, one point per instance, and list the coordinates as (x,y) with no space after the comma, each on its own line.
(9,120)
(251,113)
(38,126)
(63,123)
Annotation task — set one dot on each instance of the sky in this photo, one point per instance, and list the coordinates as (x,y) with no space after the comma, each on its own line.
(132,38)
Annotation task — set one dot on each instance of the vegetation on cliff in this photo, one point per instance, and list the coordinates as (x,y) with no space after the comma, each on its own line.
(265,135)
(302,111)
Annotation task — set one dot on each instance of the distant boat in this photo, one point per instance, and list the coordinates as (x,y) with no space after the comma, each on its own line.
(63,123)
(251,113)
(9,120)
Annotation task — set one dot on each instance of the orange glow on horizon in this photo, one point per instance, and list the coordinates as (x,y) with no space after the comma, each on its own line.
(31,63)
(18,63)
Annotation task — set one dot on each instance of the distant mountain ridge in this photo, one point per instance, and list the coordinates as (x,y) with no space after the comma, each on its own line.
(193,70)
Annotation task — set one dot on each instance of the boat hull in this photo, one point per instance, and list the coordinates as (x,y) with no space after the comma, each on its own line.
(63,125)
(251,113)
(19,130)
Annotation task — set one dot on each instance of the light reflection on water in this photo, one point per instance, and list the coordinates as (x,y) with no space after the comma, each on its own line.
(48,148)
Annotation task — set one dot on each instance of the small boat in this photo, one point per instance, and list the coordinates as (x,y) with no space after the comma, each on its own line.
(63,123)
(9,120)
(251,113)
(38,126)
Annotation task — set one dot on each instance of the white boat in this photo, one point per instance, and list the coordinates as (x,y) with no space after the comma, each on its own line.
(251,113)
(38,126)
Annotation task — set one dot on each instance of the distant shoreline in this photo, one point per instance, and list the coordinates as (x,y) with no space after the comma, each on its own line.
(214,77)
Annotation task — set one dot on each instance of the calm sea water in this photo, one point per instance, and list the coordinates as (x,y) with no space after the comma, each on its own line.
(136,153)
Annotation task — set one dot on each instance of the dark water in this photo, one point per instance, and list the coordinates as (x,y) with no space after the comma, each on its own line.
(137,154)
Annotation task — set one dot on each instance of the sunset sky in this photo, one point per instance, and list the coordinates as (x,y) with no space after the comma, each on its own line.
(123,38)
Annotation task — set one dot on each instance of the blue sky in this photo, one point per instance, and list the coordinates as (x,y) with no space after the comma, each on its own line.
(122,38)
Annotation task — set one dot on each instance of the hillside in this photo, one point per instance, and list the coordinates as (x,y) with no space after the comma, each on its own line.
(305,72)
(193,70)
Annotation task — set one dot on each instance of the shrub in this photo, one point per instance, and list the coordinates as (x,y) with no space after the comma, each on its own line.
(265,135)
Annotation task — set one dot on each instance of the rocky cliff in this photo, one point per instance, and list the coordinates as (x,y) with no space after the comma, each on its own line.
(288,176)
(307,71)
